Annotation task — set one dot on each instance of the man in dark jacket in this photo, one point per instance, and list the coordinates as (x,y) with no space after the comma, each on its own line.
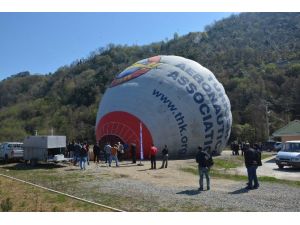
(83,156)
(133,152)
(96,151)
(165,153)
(204,161)
(77,148)
(252,161)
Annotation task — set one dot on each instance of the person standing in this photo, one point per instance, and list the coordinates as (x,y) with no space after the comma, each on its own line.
(107,152)
(153,151)
(232,147)
(252,161)
(133,152)
(96,151)
(114,154)
(71,149)
(236,148)
(243,148)
(205,161)
(120,151)
(165,153)
(126,147)
(77,149)
(83,156)
(68,150)
(87,148)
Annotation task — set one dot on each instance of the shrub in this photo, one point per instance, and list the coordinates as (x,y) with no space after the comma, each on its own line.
(6,205)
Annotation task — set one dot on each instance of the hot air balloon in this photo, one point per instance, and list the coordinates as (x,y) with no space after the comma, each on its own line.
(166,100)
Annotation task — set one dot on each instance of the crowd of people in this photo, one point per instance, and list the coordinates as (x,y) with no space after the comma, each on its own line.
(236,147)
(79,152)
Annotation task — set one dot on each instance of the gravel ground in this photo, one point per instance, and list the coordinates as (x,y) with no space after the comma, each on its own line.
(173,190)
(137,188)
(232,197)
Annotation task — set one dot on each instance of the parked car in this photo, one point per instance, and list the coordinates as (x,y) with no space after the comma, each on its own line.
(289,155)
(278,146)
(11,151)
(268,145)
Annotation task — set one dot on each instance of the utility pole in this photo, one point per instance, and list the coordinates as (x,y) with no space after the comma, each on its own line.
(267,121)
(287,114)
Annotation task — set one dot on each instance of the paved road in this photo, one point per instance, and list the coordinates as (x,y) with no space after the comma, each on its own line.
(269,168)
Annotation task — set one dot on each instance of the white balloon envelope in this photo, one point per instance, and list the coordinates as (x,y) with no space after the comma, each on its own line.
(178,102)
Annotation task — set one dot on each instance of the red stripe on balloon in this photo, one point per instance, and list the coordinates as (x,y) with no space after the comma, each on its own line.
(127,127)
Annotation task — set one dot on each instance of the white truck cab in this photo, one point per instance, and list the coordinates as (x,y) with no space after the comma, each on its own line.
(289,154)
(11,150)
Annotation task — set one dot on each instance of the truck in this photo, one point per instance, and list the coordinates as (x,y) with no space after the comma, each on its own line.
(44,148)
(11,151)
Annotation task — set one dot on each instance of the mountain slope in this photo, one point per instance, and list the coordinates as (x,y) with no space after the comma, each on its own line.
(255,55)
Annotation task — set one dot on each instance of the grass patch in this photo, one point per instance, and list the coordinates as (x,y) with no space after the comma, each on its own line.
(6,205)
(232,161)
(19,197)
(227,163)
(162,210)
(223,175)
(218,174)
(214,173)
(61,198)
(265,155)
(22,204)
(280,181)
(190,170)
(61,181)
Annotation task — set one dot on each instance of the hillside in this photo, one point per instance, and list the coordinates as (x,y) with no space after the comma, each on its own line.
(256,56)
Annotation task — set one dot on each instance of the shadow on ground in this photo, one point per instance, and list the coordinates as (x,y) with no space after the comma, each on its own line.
(23,166)
(272,160)
(239,191)
(144,170)
(189,192)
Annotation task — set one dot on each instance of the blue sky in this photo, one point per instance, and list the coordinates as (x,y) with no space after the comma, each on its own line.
(43,42)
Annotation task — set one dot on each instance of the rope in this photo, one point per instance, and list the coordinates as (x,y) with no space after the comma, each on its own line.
(65,194)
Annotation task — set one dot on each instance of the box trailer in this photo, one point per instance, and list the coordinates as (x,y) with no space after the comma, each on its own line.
(44,148)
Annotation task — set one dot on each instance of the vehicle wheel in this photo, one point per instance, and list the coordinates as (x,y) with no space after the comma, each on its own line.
(6,159)
(280,166)
(32,162)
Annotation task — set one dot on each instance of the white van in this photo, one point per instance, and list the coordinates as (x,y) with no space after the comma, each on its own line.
(11,150)
(289,154)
